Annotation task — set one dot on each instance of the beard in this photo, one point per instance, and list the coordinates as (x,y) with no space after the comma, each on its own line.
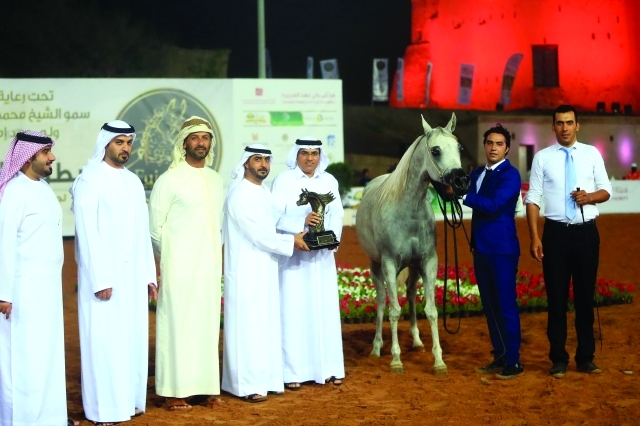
(193,153)
(254,173)
(43,170)
(118,159)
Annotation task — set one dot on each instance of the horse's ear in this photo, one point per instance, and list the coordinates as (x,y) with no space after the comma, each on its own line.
(451,126)
(425,125)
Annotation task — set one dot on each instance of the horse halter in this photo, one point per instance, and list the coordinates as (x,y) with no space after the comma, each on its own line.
(440,172)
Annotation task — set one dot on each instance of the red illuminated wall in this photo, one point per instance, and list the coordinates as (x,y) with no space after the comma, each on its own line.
(598,52)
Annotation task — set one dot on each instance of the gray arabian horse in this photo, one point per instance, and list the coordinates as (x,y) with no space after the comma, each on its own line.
(397,229)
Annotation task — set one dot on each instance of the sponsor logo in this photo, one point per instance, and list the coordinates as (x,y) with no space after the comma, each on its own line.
(157,116)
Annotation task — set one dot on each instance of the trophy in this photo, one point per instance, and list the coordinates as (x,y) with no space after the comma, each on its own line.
(317,238)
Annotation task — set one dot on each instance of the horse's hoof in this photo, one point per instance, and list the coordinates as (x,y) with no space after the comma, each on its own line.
(440,371)
(375,353)
(397,369)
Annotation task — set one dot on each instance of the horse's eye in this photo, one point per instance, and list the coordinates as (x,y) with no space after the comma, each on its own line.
(436,151)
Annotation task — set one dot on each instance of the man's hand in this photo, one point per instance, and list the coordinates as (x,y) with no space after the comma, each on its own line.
(581,197)
(5,308)
(104,294)
(536,249)
(312,219)
(298,242)
(153,293)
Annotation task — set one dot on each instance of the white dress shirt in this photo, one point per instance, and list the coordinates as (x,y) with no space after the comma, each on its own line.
(547,180)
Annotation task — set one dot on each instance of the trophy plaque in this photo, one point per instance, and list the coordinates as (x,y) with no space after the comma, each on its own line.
(318,238)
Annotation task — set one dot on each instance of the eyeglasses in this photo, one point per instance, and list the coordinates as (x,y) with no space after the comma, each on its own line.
(312,154)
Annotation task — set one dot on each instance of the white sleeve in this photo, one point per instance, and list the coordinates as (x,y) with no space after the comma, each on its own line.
(253,228)
(600,176)
(159,204)
(91,249)
(290,220)
(10,217)
(534,195)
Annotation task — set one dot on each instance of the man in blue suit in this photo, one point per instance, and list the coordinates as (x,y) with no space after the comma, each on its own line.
(493,195)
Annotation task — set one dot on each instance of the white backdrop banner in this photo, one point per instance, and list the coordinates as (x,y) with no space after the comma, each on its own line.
(242,111)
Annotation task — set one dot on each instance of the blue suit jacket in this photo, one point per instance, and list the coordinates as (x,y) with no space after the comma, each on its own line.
(493,226)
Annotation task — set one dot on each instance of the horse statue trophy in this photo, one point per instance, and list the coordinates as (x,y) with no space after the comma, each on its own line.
(317,238)
(396,228)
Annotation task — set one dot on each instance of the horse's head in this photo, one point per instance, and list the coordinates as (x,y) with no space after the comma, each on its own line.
(443,156)
(304,198)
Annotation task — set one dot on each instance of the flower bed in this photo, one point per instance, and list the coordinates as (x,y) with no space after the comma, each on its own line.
(357,294)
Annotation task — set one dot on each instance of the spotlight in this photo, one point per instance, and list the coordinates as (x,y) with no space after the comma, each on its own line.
(615,107)
(600,107)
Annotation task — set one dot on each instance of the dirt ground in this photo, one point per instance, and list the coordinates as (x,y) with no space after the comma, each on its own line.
(372,395)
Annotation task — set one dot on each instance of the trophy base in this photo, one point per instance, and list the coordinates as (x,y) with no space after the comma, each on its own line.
(321,240)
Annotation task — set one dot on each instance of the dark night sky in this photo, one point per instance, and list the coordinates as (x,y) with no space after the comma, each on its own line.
(353,31)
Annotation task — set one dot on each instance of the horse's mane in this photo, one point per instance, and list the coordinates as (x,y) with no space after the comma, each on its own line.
(392,189)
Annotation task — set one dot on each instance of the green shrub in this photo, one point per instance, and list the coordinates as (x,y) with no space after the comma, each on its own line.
(343,174)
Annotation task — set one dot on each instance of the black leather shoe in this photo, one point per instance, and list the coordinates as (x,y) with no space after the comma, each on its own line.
(558,370)
(510,372)
(495,366)
(589,368)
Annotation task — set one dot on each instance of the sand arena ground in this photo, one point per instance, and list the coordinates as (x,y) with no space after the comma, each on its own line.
(372,395)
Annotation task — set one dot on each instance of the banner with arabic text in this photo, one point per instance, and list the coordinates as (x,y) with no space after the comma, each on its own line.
(273,112)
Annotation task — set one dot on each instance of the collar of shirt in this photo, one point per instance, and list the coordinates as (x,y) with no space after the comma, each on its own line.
(484,173)
(301,174)
(494,166)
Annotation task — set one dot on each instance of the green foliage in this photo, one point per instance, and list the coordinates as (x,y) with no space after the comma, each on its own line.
(343,174)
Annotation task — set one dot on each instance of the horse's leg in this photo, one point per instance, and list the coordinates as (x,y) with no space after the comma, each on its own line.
(390,273)
(381,297)
(412,290)
(429,272)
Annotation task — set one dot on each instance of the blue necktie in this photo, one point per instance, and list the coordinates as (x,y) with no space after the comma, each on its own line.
(569,184)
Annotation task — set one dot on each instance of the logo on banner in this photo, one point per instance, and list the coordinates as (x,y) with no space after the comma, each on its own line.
(428,87)
(157,116)
(258,91)
(380,80)
(466,82)
(508,77)
(400,81)
(309,66)
(329,68)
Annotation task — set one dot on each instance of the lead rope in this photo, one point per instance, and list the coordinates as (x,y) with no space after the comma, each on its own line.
(455,222)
